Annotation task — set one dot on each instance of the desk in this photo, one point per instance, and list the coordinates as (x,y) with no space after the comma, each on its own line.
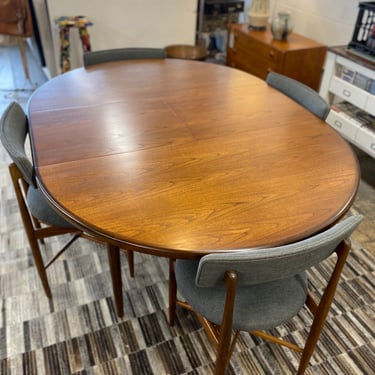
(182,158)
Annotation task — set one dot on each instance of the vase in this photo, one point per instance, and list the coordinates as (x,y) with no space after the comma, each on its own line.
(282,26)
(259,14)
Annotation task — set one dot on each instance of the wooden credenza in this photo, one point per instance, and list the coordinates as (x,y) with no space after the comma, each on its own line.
(256,52)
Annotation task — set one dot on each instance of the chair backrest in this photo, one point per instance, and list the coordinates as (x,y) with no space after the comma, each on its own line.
(186,51)
(255,266)
(98,57)
(300,93)
(13,132)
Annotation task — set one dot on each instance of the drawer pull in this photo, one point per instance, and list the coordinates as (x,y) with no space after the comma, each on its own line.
(272,53)
(373,146)
(338,123)
(347,93)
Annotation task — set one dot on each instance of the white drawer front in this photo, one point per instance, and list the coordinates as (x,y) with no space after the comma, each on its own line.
(370,105)
(343,123)
(347,91)
(366,138)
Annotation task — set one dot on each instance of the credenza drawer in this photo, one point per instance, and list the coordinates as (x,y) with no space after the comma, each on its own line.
(366,138)
(343,123)
(258,52)
(349,92)
(254,57)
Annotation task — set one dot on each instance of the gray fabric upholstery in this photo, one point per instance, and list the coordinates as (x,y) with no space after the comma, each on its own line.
(13,132)
(272,284)
(300,93)
(42,210)
(98,57)
(257,307)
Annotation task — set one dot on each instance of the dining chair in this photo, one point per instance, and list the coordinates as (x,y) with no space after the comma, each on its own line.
(186,51)
(40,220)
(300,93)
(258,289)
(103,56)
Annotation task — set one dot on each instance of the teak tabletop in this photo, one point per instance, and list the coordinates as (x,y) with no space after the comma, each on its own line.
(182,158)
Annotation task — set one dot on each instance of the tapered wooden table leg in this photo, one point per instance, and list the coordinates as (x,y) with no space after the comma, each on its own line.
(172,292)
(115,268)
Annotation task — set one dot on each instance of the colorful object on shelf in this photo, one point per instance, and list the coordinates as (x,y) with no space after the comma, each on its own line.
(65,24)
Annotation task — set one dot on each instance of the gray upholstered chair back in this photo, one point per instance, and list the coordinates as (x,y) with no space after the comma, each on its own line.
(13,132)
(256,266)
(98,57)
(300,93)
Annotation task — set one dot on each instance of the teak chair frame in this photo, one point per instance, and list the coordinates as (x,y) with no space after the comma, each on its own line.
(37,231)
(224,341)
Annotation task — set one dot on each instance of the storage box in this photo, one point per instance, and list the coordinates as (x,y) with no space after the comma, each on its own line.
(363,40)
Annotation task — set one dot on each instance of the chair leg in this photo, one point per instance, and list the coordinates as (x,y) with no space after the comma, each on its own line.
(172,291)
(130,255)
(16,176)
(222,361)
(322,311)
(115,268)
(225,344)
(40,265)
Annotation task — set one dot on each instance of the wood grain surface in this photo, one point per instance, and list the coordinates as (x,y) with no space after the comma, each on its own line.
(182,158)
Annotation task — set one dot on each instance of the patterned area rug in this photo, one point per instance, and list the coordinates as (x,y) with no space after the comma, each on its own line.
(78,331)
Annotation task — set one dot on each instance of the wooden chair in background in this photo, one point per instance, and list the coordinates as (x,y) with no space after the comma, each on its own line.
(40,220)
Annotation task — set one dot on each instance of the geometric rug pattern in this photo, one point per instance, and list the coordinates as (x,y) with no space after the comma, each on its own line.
(78,331)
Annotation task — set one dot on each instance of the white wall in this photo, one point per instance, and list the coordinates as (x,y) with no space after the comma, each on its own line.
(330,22)
(127,23)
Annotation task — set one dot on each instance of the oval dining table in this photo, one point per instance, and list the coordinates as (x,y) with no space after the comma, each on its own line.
(182,158)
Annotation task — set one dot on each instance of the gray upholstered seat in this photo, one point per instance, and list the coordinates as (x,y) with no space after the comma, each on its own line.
(301,93)
(259,306)
(98,57)
(270,286)
(43,211)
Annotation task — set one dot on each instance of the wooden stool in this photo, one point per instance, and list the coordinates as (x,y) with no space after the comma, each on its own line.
(65,24)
